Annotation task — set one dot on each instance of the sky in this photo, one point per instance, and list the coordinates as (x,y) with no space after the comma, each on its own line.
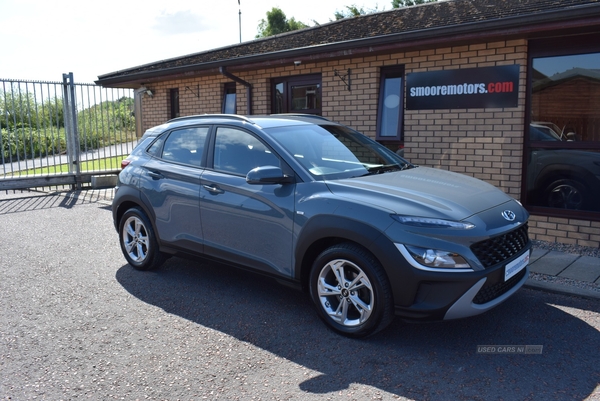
(42,39)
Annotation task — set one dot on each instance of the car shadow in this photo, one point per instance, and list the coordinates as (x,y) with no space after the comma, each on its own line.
(433,361)
(26,201)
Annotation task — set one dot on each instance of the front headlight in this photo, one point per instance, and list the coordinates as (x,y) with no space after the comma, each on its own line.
(427,222)
(433,259)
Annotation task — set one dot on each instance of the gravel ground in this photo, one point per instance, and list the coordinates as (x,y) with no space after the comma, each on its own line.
(574,249)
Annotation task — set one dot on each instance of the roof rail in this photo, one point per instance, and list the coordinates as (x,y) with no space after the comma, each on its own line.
(301,115)
(247,119)
(226,116)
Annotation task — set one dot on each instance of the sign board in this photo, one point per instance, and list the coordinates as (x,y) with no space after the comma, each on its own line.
(486,87)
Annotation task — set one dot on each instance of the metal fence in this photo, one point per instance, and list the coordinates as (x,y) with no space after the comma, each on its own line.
(62,133)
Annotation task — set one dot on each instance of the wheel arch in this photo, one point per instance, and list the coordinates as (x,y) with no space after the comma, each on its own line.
(322,232)
(128,198)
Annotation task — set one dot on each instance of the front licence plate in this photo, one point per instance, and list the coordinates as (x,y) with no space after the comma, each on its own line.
(516,266)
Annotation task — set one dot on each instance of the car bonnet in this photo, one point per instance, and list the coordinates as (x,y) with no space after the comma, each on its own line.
(422,191)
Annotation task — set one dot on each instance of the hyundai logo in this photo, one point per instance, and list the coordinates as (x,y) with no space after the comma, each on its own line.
(509,215)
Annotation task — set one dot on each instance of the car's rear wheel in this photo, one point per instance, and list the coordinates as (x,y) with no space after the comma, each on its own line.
(138,242)
(351,291)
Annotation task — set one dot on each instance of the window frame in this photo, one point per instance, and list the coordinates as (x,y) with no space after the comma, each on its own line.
(391,73)
(173,103)
(555,47)
(228,89)
(288,83)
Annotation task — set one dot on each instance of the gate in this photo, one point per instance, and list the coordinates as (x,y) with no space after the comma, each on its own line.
(62,133)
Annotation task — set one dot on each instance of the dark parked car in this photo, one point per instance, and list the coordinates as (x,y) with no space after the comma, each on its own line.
(317,205)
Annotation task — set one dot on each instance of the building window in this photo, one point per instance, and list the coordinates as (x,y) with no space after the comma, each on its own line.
(229,99)
(300,94)
(562,147)
(391,105)
(174,103)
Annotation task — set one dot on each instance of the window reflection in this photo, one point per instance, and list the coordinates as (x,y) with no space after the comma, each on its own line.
(306,97)
(566,93)
(563,170)
(300,94)
(390,110)
(230,100)
(391,105)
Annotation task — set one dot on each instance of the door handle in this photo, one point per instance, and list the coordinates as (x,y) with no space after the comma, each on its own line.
(155,175)
(213,189)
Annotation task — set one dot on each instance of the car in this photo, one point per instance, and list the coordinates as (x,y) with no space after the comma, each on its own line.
(323,208)
(562,178)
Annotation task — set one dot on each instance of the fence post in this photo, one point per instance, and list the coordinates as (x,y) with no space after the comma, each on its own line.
(71,130)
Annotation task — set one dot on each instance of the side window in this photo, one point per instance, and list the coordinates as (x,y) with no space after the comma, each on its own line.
(155,148)
(186,145)
(238,152)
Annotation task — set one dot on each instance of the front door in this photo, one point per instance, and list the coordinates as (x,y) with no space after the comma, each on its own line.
(242,223)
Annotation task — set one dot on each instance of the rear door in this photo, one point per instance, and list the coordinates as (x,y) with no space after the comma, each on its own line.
(242,223)
(172,186)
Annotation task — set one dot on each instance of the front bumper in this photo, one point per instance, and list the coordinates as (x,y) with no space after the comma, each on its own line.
(470,304)
(446,296)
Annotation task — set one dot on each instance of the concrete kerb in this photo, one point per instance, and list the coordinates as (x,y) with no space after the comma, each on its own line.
(564,273)
(564,289)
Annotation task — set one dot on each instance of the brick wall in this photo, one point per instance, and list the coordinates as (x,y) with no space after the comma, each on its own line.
(567,231)
(483,143)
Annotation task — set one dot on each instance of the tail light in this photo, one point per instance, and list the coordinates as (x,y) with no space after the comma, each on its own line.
(125,163)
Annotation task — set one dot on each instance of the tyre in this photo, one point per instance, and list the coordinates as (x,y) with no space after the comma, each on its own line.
(138,242)
(567,194)
(351,291)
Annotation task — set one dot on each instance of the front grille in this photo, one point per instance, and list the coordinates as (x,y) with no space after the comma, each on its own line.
(493,291)
(499,249)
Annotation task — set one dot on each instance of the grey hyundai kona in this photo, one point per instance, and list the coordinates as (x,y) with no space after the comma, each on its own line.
(322,207)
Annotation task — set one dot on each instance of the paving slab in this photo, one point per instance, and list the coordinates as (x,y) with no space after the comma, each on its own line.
(586,268)
(553,263)
(537,253)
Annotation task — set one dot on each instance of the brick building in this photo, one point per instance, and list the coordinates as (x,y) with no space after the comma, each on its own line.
(503,90)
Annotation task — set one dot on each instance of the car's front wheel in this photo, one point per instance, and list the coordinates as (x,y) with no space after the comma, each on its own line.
(138,242)
(351,291)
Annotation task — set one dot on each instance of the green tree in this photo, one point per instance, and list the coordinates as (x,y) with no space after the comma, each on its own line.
(353,11)
(99,124)
(408,3)
(20,109)
(17,108)
(276,23)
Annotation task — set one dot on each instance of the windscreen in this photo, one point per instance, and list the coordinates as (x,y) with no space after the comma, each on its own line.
(333,152)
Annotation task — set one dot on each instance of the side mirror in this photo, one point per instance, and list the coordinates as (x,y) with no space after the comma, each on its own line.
(265,175)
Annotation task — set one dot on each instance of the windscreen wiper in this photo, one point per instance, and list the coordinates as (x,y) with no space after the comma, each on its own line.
(384,168)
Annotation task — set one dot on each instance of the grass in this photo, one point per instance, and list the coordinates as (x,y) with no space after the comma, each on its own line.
(111,163)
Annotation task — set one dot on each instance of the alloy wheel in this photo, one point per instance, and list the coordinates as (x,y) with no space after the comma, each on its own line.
(345,293)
